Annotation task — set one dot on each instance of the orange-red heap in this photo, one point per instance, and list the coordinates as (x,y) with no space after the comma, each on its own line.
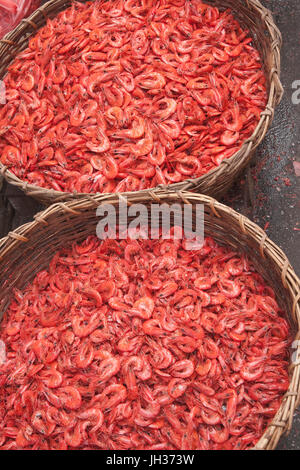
(142,345)
(126,95)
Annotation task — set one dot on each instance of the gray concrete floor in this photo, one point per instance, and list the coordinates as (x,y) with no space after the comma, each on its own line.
(267,193)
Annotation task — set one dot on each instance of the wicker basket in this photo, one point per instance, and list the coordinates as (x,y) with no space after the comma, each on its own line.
(267,38)
(29,249)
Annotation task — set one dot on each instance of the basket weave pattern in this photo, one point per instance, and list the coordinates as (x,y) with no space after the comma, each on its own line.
(29,249)
(267,38)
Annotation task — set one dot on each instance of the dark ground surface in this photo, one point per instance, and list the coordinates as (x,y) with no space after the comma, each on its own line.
(267,193)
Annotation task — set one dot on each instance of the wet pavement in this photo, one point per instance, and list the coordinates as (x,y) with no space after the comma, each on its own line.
(268,192)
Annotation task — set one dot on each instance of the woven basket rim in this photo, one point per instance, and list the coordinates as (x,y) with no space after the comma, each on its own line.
(239,159)
(282,422)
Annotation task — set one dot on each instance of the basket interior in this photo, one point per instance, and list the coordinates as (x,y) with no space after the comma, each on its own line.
(248,18)
(245,13)
(30,248)
(20,261)
(266,37)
